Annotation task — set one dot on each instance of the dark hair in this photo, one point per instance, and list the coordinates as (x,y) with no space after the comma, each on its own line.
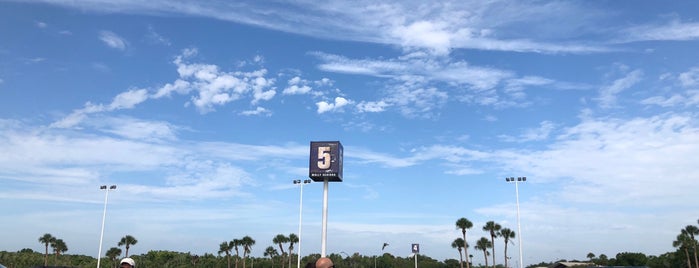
(311,265)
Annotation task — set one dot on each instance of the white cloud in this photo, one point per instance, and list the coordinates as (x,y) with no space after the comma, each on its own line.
(257,111)
(129,99)
(179,86)
(215,87)
(41,24)
(296,90)
(600,157)
(296,86)
(259,84)
(372,106)
(113,40)
(425,34)
(690,78)
(324,106)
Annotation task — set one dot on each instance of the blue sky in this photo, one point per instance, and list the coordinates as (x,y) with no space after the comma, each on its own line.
(202,113)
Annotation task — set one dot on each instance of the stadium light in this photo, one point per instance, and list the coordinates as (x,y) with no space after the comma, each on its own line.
(301,183)
(519,227)
(104,216)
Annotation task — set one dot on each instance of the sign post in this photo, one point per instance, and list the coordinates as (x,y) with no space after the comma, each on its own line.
(325,164)
(416,250)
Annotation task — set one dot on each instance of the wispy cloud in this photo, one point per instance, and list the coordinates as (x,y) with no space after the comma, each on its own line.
(434,27)
(156,38)
(124,100)
(688,81)
(537,134)
(674,30)
(608,94)
(113,40)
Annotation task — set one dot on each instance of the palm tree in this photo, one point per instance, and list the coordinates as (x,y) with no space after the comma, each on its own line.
(127,241)
(235,243)
(292,240)
(692,230)
(271,252)
(458,244)
(226,247)
(507,234)
(112,254)
(483,244)
(590,256)
(280,239)
(493,228)
(46,239)
(464,224)
(247,243)
(682,243)
(58,247)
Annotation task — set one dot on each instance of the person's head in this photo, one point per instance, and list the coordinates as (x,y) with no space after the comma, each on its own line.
(324,263)
(127,263)
(310,265)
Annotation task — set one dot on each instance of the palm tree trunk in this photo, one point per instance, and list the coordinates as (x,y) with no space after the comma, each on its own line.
(689,262)
(466,250)
(461,257)
(696,261)
(506,254)
(46,256)
(485,256)
(245,257)
(492,241)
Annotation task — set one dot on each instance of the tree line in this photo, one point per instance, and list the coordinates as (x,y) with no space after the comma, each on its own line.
(229,254)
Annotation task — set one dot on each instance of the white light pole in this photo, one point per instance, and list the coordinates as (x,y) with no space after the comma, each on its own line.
(104,216)
(298,262)
(519,227)
(324,231)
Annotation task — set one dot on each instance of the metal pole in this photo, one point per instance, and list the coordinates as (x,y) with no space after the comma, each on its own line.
(519,227)
(298,262)
(324,234)
(104,216)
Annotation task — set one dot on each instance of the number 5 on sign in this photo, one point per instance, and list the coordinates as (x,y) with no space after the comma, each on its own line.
(325,161)
(324,157)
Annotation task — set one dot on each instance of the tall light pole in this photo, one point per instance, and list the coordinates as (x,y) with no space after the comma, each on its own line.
(301,183)
(104,216)
(519,227)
